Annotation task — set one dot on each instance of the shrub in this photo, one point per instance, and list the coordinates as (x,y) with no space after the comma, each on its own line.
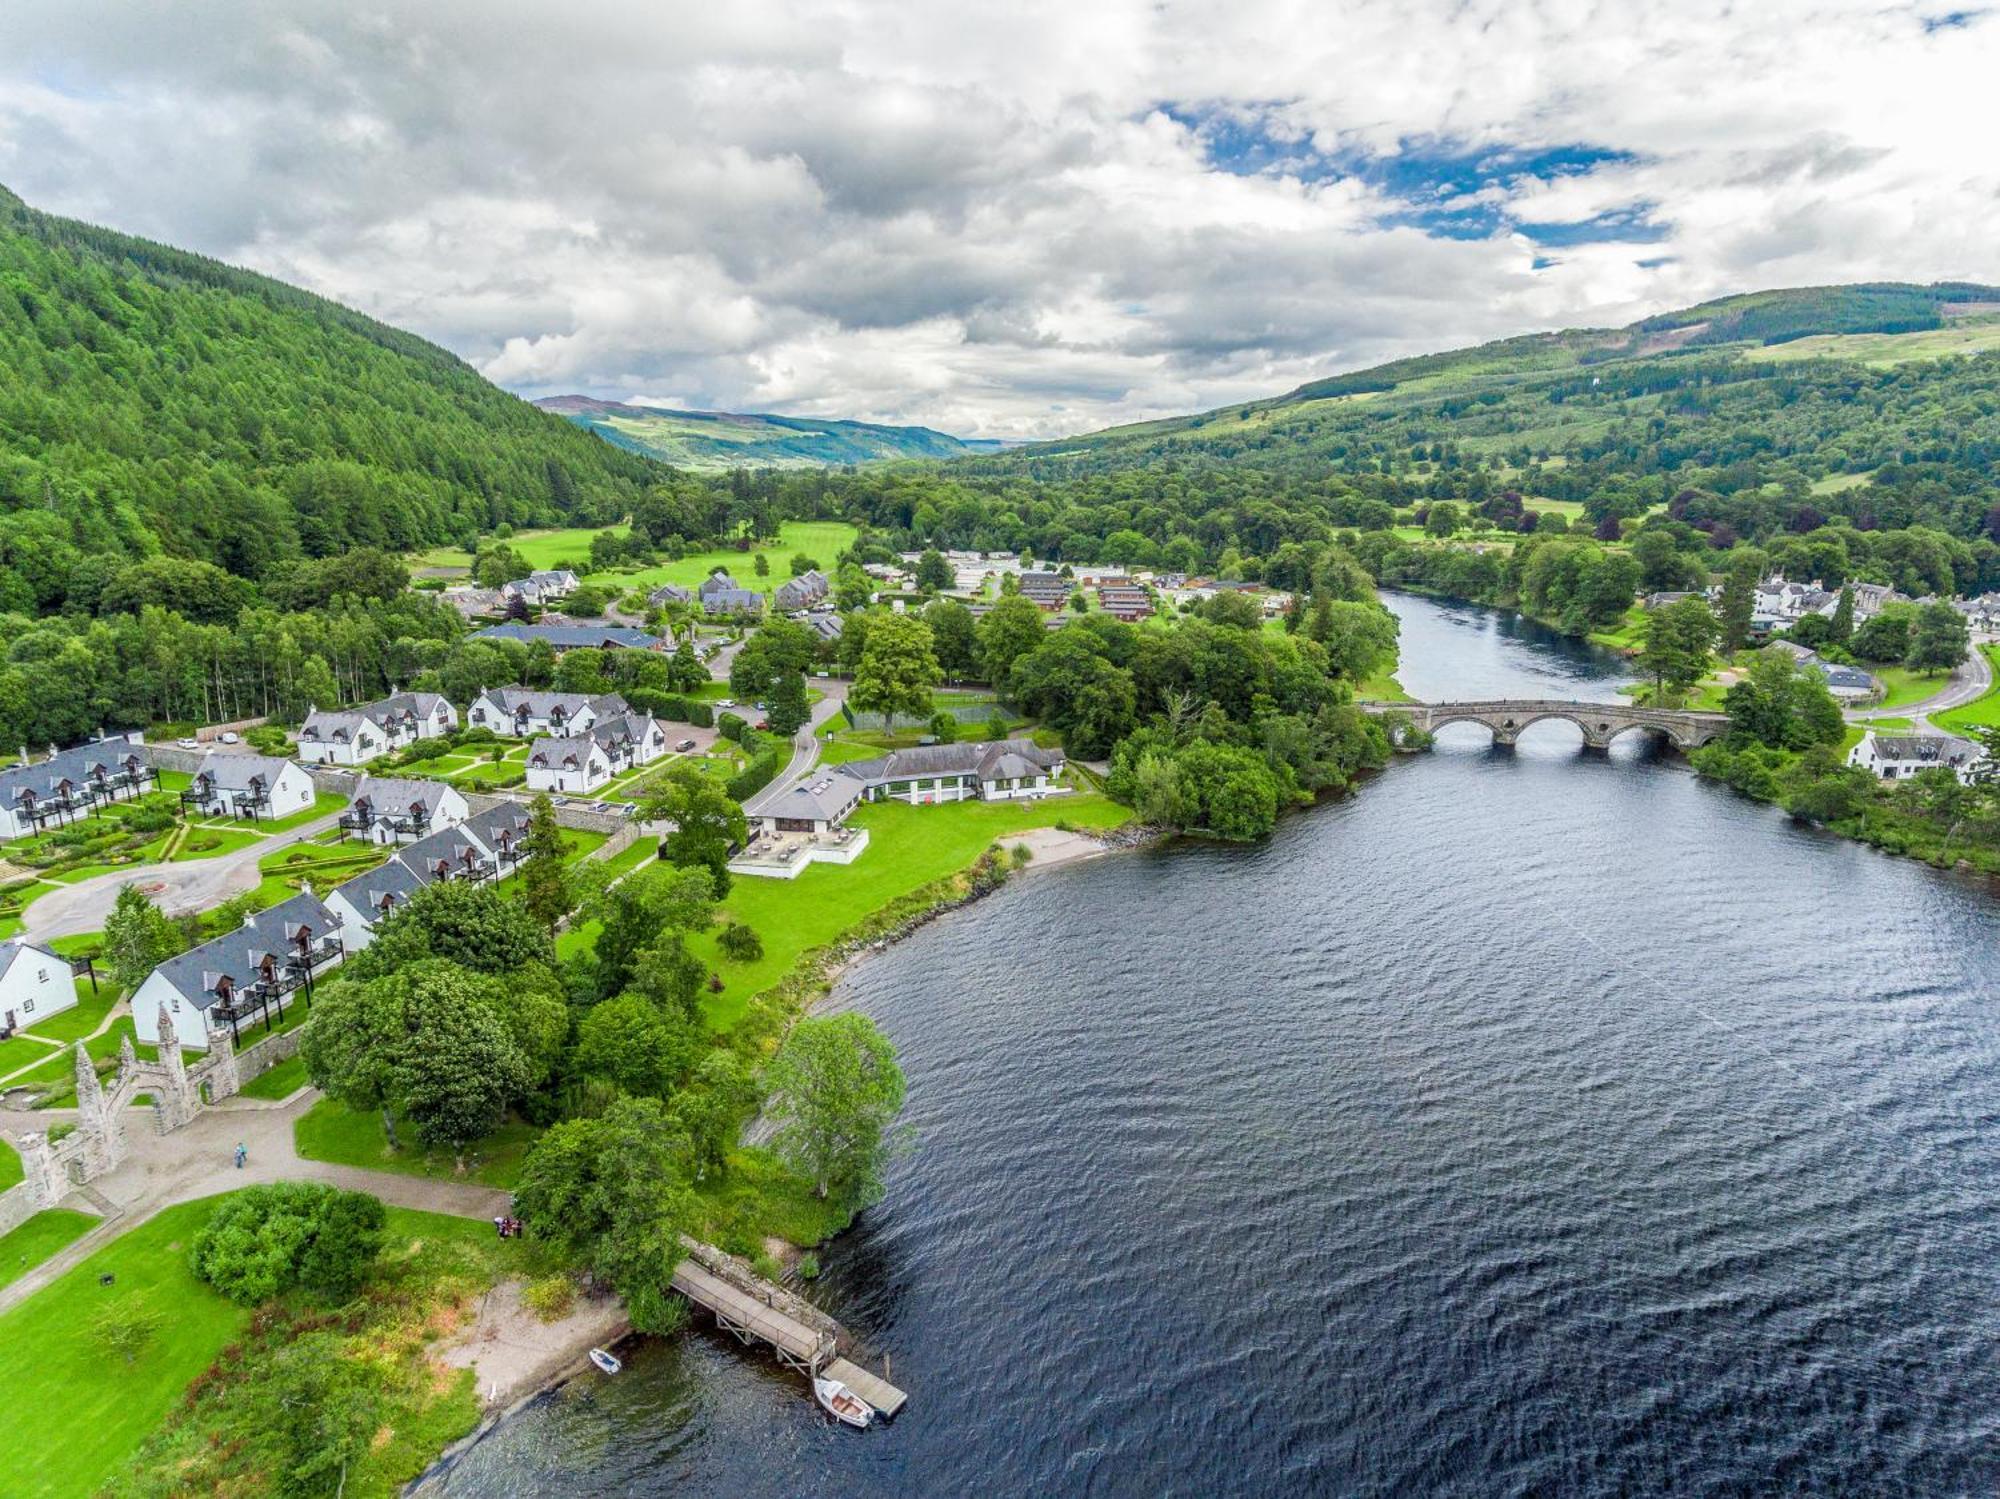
(759,773)
(740,942)
(731,726)
(264,1240)
(1022,855)
(808,1267)
(550,1297)
(124,1328)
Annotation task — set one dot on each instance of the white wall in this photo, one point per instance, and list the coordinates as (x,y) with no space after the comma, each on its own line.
(189,1022)
(37,986)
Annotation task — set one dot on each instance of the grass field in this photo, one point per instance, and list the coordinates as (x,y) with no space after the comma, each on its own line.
(820,540)
(1903,687)
(282,1081)
(69,1446)
(41,1236)
(1982,712)
(908,848)
(1971,336)
(331,1131)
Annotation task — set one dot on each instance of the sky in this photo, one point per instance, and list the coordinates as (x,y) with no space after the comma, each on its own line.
(1015,218)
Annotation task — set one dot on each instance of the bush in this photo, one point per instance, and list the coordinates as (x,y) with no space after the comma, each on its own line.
(740,942)
(758,774)
(265,1240)
(730,726)
(124,1329)
(551,1297)
(808,1267)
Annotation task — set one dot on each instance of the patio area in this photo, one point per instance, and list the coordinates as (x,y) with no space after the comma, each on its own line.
(784,856)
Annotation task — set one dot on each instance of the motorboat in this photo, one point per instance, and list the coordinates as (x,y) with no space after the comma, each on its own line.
(841,1402)
(608,1362)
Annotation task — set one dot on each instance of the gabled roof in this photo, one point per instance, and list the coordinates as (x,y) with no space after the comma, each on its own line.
(14,949)
(392,883)
(573,636)
(394,796)
(574,749)
(989,760)
(821,795)
(239,953)
(339,725)
(1936,749)
(507,818)
(241,772)
(515,701)
(74,765)
(421,704)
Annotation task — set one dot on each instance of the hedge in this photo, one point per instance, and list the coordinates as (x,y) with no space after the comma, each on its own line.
(759,773)
(670,706)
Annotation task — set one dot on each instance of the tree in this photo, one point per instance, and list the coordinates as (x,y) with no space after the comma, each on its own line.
(322,1406)
(426,1043)
(954,637)
(644,1048)
(897,670)
(707,825)
(685,671)
(480,927)
(786,708)
(711,1108)
(544,875)
(1678,640)
(1236,610)
(1359,639)
(267,1239)
(1842,630)
(1939,639)
(137,937)
(612,1192)
(761,565)
(934,574)
(836,1089)
(802,563)
(740,942)
(1886,637)
(632,914)
(1738,602)
(1011,629)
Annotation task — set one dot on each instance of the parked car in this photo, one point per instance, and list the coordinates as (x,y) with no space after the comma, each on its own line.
(232,737)
(188,743)
(725,702)
(684,746)
(764,725)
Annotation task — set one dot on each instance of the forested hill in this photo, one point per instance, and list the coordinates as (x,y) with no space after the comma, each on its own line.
(723,440)
(1832,381)
(153,400)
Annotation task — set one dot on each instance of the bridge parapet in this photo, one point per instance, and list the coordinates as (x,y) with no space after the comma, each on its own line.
(1600,723)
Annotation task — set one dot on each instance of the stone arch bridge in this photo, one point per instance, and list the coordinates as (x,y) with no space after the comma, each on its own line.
(1600,722)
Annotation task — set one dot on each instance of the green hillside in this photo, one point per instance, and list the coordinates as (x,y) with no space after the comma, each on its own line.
(1743,378)
(153,400)
(721,440)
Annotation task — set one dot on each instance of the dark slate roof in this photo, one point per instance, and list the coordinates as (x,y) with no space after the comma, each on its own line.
(73,765)
(240,772)
(989,760)
(392,882)
(1939,749)
(670,593)
(515,700)
(574,636)
(507,817)
(553,752)
(822,794)
(393,796)
(238,953)
(450,844)
(340,724)
(421,704)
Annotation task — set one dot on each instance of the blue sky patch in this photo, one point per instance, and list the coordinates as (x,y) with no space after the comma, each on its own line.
(1438,183)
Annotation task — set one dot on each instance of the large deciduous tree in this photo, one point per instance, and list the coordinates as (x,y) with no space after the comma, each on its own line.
(707,823)
(544,877)
(897,670)
(836,1089)
(1679,640)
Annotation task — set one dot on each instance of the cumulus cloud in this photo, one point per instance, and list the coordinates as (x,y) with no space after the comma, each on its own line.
(1016,217)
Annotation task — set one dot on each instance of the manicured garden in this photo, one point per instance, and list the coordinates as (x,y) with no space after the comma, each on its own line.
(909,847)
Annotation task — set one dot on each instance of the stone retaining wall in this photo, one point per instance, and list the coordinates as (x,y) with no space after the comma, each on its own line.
(255,1061)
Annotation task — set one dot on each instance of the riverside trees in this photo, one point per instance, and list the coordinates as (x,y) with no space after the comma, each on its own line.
(836,1089)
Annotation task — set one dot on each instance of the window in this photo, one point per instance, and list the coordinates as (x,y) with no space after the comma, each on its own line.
(41,975)
(28,1006)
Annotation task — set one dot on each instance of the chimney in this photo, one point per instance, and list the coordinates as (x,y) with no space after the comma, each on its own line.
(306,887)
(24,756)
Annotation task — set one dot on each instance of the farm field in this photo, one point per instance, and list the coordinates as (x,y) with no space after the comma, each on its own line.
(570,547)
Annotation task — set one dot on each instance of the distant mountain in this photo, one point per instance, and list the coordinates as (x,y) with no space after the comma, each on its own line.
(152,399)
(721,439)
(1739,377)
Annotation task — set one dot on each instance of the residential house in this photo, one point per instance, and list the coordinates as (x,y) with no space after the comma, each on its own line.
(824,623)
(542,588)
(344,736)
(1125,601)
(525,713)
(257,787)
(1048,590)
(475,603)
(366,901)
(34,984)
(410,716)
(669,593)
(450,853)
(1004,770)
(577,764)
(69,784)
(501,830)
(573,635)
(1848,683)
(721,594)
(1897,757)
(388,809)
(251,973)
(802,592)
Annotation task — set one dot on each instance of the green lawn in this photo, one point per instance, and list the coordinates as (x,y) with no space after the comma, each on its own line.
(71,1445)
(820,540)
(1903,687)
(331,1131)
(282,1081)
(909,847)
(43,1235)
(17,1052)
(212,842)
(74,1025)
(543,549)
(1982,712)
(1629,634)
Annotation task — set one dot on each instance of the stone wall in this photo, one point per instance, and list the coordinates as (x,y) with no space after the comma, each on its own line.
(255,1061)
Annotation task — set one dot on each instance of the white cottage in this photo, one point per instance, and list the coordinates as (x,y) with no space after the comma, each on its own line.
(69,784)
(244,977)
(527,714)
(256,787)
(391,809)
(1897,757)
(577,764)
(34,984)
(347,736)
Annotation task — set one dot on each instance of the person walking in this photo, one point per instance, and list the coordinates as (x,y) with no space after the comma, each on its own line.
(242,1154)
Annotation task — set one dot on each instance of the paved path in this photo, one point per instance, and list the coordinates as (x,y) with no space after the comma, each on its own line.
(197,884)
(805,744)
(1968,680)
(198,1161)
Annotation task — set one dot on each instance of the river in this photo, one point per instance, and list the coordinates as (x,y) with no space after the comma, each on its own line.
(1527,1123)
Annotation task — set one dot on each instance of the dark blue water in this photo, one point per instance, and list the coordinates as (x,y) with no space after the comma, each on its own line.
(1525,1124)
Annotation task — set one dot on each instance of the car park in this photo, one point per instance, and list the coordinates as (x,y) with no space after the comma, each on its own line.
(684,746)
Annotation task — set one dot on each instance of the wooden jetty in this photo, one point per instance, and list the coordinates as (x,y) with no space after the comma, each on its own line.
(756,1311)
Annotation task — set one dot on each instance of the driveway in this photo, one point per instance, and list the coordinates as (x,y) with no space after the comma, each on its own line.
(195,885)
(1968,680)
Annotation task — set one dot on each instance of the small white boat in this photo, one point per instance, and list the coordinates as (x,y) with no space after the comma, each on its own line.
(841,1402)
(605,1361)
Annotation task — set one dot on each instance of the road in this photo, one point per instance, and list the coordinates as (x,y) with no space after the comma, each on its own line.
(197,884)
(805,744)
(1970,679)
